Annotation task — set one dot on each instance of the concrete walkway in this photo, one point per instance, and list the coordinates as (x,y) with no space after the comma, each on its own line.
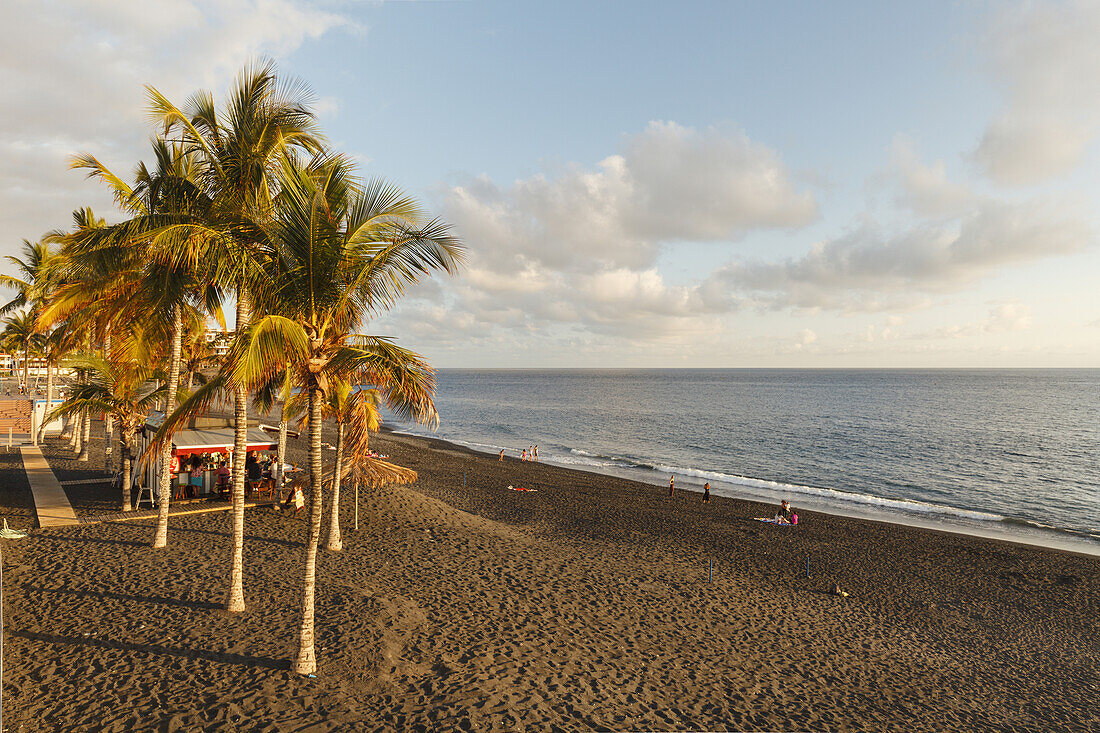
(50,501)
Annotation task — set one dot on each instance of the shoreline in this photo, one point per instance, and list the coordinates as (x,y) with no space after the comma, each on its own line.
(1002,529)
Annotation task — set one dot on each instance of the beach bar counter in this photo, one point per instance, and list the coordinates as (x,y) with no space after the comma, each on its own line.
(209,440)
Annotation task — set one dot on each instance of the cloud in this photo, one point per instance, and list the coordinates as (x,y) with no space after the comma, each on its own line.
(1047,59)
(74,75)
(1011,316)
(925,189)
(1005,317)
(668,183)
(868,269)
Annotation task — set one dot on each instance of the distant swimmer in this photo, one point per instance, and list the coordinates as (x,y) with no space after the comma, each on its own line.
(671,486)
(502,455)
(706,493)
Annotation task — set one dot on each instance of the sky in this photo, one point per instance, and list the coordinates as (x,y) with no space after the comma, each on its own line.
(646,184)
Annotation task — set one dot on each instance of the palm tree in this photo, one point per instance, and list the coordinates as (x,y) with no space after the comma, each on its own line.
(34,284)
(339,253)
(120,387)
(197,354)
(168,270)
(238,154)
(20,333)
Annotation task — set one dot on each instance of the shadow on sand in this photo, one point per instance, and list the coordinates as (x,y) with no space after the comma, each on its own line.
(221,657)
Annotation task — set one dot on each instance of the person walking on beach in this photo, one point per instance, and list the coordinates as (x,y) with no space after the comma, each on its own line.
(536,452)
(524,456)
(706,493)
(501,455)
(671,486)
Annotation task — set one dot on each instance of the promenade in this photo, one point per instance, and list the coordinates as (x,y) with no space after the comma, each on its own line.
(51,504)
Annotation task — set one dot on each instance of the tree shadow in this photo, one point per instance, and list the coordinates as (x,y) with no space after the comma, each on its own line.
(222,657)
(98,540)
(105,594)
(248,537)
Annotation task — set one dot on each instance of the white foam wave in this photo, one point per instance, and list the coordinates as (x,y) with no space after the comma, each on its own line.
(910,506)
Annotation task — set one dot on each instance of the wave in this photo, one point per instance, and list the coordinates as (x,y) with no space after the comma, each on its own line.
(765,488)
(908,506)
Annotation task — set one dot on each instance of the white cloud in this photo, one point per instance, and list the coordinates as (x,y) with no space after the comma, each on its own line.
(669,183)
(925,189)
(74,75)
(1011,316)
(1048,60)
(868,269)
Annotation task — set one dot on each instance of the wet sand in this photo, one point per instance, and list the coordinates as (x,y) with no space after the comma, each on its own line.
(584,605)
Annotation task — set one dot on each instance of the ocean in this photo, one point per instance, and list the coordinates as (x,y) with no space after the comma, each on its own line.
(1010,454)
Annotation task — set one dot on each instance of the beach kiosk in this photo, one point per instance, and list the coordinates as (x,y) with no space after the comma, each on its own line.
(208,441)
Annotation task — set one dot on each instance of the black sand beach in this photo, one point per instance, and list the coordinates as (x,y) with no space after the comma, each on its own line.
(584,605)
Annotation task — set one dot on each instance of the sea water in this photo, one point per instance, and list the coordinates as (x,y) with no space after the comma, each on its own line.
(1013,454)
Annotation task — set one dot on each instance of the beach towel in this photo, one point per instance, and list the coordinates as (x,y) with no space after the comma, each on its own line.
(520,488)
(773,520)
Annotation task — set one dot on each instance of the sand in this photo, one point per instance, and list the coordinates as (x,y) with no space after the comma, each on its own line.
(584,605)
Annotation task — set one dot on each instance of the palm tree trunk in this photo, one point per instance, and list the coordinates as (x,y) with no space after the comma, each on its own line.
(127,463)
(49,402)
(164,488)
(109,419)
(235,602)
(26,368)
(78,433)
(281,454)
(85,447)
(190,379)
(334,541)
(306,663)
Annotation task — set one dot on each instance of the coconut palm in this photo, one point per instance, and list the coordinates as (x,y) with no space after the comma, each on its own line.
(164,265)
(238,153)
(340,253)
(197,355)
(33,284)
(120,387)
(20,334)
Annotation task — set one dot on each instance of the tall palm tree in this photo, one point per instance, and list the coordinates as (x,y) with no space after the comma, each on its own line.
(339,254)
(120,387)
(168,271)
(238,154)
(86,316)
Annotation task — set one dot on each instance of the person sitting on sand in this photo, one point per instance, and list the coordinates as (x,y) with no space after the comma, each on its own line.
(784,512)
